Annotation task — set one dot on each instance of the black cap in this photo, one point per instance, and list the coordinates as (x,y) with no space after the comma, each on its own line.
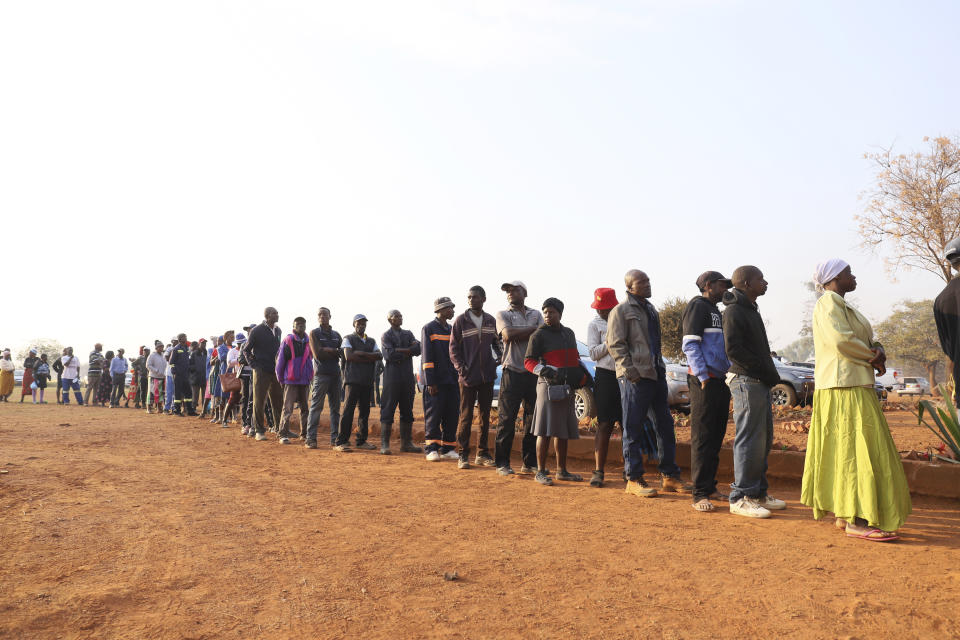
(711,276)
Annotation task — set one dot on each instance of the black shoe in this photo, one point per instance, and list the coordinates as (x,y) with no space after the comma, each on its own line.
(563,474)
(597,479)
(543,478)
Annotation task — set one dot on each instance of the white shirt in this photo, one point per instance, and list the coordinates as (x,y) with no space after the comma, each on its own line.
(233,356)
(597,344)
(71,367)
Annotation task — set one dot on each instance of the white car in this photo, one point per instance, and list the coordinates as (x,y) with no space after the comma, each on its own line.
(915,386)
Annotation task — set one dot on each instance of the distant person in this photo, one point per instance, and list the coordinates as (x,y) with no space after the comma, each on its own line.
(71,377)
(57,367)
(325,345)
(179,360)
(552,356)
(360,353)
(26,386)
(606,391)
(752,375)
(474,352)
(634,339)
(518,387)
(140,380)
(399,347)
(105,386)
(441,393)
(245,372)
(169,387)
(375,399)
(263,344)
(852,467)
(94,367)
(41,375)
(707,366)
(157,372)
(198,375)
(946,312)
(294,371)
(7,369)
(118,374)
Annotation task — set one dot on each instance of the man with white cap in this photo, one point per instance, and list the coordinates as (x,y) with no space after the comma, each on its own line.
(441,394)
(361,355)
(946,312)
(518,387)
(752,374)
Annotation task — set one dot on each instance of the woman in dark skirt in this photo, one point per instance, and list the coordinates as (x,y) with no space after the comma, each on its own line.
(552,355)
(106,384)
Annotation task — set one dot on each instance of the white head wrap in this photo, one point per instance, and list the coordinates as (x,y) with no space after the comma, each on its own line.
(6,352)
(828,270)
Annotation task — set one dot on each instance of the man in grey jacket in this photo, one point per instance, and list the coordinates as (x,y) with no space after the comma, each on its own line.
(633,339)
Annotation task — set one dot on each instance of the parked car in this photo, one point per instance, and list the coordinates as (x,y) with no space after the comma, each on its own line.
(795,387)
(892,380)
(915,386)
(17,377)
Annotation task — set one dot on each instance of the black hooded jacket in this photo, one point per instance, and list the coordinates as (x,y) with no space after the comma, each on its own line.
(745,339)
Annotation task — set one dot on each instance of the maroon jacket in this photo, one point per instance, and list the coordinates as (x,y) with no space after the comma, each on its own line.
(472,350)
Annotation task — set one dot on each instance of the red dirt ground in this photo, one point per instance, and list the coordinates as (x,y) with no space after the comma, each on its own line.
(116,524)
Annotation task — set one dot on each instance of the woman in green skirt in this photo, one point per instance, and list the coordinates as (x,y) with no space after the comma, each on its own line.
(852,466)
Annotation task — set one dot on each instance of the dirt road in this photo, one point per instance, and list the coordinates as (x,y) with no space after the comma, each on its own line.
(116,524)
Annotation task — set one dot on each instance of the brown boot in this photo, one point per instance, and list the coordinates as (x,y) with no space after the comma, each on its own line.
(674,484)
(639,487)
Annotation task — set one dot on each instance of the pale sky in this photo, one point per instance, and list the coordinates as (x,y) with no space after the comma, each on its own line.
(178,166)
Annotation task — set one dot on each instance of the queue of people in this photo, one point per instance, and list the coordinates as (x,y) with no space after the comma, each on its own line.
(260,378)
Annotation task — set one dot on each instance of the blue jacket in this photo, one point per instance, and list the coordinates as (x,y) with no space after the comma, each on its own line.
(703,340)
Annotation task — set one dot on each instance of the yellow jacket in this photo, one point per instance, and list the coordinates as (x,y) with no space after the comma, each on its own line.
(842,338)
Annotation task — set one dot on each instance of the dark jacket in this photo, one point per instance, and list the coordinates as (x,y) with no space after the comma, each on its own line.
(398,366)
(745,339)
(262,347)
(474,352)
(179,358)
(360,373)
(435,361)
(198,367)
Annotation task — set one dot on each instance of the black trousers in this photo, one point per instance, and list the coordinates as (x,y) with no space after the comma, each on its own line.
(59,387)
(709,409)
(398,394)
(181,392)
(482,395)
(197,391)
(516,390)
(142,382)
(440,414)
(119,380)
(358,399)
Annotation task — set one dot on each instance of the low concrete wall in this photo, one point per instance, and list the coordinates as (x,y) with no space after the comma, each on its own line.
(925,478)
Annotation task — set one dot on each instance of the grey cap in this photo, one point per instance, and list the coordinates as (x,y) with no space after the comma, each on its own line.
(359,316)
(506,286)
(952,251)
(442,303)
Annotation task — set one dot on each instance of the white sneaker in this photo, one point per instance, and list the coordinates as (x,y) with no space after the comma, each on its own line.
(450,455)
(434,456)
(772,504)
(748,507)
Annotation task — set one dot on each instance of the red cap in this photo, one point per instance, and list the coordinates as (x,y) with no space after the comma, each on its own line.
(604,298)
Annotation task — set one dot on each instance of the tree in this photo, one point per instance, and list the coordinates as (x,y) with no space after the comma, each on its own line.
(800,350)
(910,334)
(671,328)
(52,348)
(913,209)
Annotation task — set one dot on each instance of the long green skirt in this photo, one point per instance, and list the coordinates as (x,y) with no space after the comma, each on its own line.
(852,467)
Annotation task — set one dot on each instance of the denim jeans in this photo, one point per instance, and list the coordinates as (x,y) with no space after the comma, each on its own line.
(753,418)
(168,399)
(637,399)
(325,387)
